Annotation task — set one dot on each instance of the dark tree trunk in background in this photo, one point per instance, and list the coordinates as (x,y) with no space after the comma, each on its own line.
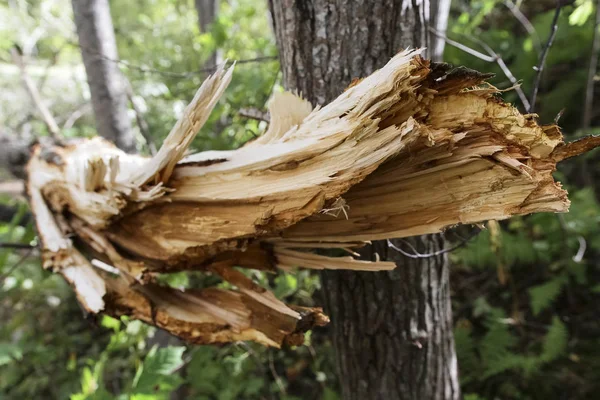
(107,85)
(207,12)
(392,331)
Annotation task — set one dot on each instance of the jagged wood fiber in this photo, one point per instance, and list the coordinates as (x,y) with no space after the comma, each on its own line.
(409,150)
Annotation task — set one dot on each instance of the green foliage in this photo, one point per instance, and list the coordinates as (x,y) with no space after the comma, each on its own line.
(555,341)
(517,333)
(232,378)
(156,374)
(582,12)
(496,351)
(169,69)
(543,295)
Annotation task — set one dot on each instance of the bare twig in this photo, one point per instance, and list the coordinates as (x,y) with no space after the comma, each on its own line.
(581,252)
(75,115)
(589,87)
(189,74)
(462,47)
(257,362)
(491,57)
(35,95)
(16,265)
(518,14)
(559,115)
(417,255)
(51,63)
(254,113)
(506,72)
(141,122)
(564,228)
(275,374)
(540,67)
(12,245)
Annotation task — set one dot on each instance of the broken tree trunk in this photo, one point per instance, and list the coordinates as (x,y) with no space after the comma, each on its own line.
(411,149)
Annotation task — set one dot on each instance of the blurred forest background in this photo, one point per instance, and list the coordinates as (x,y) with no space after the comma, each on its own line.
(525,292)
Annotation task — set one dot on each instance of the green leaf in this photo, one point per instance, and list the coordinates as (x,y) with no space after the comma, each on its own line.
(466,353)
(582,13)
(555,341)
(285,285)
(88,382)
(111,323)
(9,352)
(253,386)
(543,295)
(156,372)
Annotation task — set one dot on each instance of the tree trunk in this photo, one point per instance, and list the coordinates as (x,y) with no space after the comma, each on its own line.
(439,21)
(207,11)
(392,331)
(107,86)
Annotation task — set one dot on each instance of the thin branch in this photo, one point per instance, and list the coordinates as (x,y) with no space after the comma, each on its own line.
(275,374)
(564,228)
(492,57)
(202,71)
(141,122)
(17,265)
(559,115)
(589,87)
(35,95)
(257,362)
(417,255)
(516,84)
(462,47)
(12,245)
(518,14)
(506,72)
(53,61)
(581,252)
(75,115)
(254,113)
(540,67)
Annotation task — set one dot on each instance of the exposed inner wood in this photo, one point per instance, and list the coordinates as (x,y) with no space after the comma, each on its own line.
(411,149)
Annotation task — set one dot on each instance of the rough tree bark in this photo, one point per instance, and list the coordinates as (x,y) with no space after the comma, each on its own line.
(392,330)
(207,11)
(108,89)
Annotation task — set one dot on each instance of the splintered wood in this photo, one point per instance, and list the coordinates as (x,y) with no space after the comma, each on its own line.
(412,149)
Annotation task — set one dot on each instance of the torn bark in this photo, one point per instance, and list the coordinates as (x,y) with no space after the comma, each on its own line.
(411,149)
